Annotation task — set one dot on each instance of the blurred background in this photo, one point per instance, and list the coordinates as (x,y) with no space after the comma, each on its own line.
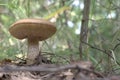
(63,47)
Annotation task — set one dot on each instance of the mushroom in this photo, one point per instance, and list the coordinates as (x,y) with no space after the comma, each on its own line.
(34,30)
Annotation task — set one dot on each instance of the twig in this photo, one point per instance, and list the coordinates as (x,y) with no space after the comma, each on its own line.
(46,68)
(48,75)
(118,39)
(93,47)
(104,51)
(116,46)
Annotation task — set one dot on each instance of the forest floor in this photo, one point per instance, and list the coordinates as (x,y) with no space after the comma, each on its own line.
(81,70)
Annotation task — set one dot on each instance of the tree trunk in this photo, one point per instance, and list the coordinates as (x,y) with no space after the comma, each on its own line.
(84,28)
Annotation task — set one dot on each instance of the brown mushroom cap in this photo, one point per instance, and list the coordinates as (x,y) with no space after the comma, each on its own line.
(33,28)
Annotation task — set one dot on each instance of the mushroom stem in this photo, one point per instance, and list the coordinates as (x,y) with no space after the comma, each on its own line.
(33,50)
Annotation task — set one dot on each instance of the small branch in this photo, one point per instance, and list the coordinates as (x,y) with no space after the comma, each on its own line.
(118,39)
(104,51)
(116,46)
(46,68)
(93,47)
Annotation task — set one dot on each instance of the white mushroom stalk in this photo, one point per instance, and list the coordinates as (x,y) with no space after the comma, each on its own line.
(33,50)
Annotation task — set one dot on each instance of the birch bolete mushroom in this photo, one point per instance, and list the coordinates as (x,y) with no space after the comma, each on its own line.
(34,30)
